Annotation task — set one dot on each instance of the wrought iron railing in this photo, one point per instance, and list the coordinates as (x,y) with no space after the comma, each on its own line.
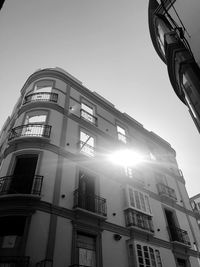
(86,149)
(21,185)
(179,235)
(88,117)
(31,130)
(91,202)
(42,96)
(14,261)
(166,191)
(138,219)
(44,263)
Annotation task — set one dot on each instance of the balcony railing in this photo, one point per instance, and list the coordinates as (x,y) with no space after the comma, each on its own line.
(30,130)
(165,190)
(42,96)
(44,263)
(88,117)
(14,261)
(138,219)
(21,185)
(179,235)
(86,149)
(91,202)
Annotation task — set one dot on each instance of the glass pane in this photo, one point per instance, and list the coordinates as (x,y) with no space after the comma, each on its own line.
(89,140)
(148,208)
(142,202)
(153,260)
(140,256)
(87,108)
(132,201)
(87,254)
(158,258)
(37,119)
(121,134)
(137,199)
(46,89)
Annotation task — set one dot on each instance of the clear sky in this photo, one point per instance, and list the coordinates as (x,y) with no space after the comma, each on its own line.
(106,45)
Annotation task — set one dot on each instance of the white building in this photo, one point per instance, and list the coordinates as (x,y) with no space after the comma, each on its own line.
(63,202)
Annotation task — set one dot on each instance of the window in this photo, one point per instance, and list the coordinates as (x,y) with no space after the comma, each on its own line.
(181,262)
(10,232)
(86,248)
(121,134)
(175,233)
(138,200)
(42,91)
(35,124)
(87,113)
(139,220)
(161,39)
(86,144)
(134,174)
(44,86)
(128,171)
(162,27)
(161,178)
(36,119)
(86,190)
(148,257)
(188,91)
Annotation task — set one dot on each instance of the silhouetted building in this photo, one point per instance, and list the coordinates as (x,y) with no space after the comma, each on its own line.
(1,3)
(63,202)
(195,203)
(174,29)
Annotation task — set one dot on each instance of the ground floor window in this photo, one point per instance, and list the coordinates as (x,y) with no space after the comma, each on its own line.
(148,256)
(11,231)
(86,248)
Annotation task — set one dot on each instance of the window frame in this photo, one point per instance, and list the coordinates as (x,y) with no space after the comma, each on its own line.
(92,107)
(138,200)
(120,135)
(36,112)
(92,147)
(49,83)
(87,231)
(148,256)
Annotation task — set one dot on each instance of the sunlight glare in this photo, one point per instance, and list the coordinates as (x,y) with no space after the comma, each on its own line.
(126,158)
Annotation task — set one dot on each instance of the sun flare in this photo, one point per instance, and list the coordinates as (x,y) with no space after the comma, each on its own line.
(126,158)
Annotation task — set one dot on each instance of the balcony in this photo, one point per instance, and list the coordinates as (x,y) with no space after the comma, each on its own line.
(88,117)
(21,185)
(138,220)
(90,203)
(30,130)
(42,96)
(166,191)
(179,235)
(44,263)
(14,261)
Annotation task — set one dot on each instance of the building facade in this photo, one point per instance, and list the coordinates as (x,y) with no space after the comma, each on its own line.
(63,202)
(195,203)
(174,29)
